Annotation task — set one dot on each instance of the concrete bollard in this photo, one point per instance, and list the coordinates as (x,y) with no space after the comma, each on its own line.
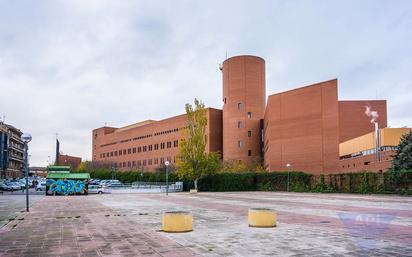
(261,217)
(177,221)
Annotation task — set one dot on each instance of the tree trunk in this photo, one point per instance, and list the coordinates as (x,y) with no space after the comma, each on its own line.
(195,184)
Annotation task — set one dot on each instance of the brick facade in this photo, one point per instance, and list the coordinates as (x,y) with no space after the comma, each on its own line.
(302,127)
(149,144)
(67,160)
(352,119)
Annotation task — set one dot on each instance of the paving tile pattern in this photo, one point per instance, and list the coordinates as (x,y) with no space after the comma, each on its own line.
(80,226)
(309,224)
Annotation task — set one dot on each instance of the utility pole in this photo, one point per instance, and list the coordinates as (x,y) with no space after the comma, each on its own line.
(26,139)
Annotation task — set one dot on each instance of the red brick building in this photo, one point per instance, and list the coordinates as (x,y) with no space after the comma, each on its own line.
(303,127)
(150,143)
(67,160)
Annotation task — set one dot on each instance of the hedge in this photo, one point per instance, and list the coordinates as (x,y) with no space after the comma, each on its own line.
(397,182)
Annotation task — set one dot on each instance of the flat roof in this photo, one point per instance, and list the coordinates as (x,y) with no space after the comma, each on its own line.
(148,122)
(69,175)
(135,125)
(58,168)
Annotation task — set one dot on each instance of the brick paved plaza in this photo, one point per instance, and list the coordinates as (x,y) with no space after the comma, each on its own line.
(130,225)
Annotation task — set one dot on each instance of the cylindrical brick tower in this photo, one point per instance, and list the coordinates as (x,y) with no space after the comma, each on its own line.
(244,100)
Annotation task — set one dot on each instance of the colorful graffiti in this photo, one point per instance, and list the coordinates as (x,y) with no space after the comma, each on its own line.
(66,187)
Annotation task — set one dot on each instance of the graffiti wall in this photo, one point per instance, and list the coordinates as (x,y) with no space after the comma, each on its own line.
(66,186)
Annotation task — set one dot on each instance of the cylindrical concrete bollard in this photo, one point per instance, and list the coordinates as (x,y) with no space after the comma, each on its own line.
(262,217)
(177,221)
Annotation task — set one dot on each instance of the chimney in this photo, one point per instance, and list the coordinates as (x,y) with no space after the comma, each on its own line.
(377,142)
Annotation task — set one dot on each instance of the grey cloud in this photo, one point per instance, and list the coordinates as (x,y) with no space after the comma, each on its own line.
(76,65)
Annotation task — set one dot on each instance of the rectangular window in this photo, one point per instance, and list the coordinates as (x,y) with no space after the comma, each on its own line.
(249,152)
(144,148)
(111,153)
(162,146)
(240,143)
(176,143)
(115,153)
(124,164)
(134,149)
(124,151)
(120,152)
(144,162)
(156,161)
(150,147)
(128,164)
(239,106)
(249,133)
(162,160)
(249,115)
(104,155)
(150,161)
(239,124)
(129,151)
(169,144)
(139,163)
(139,149)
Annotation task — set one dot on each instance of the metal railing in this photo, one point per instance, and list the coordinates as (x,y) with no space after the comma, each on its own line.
(152,186)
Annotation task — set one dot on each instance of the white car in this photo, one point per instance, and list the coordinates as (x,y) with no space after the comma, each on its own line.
(97,189)
(41,186)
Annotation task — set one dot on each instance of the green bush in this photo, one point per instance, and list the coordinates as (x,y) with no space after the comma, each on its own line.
(397,182)
(228,182)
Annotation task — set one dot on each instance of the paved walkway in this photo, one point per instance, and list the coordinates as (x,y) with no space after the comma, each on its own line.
(309,224)
(81,226)
(129,225)
(13,203)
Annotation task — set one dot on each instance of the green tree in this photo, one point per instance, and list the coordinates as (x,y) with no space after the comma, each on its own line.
(192,161)
(403,157)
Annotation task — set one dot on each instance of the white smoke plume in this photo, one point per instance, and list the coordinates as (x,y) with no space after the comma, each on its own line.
(372,114)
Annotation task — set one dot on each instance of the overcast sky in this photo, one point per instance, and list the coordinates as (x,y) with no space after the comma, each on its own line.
(72,66)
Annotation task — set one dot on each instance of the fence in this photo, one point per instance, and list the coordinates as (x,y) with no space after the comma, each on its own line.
(148,187)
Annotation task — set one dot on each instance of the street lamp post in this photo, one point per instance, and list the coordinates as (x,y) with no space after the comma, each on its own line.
(288,166)
(26,137)
(167,177)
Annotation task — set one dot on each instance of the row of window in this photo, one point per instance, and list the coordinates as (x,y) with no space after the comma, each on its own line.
(168,131)
(145,162)
(142,137)
(139,149)
(368,152)
(360,164)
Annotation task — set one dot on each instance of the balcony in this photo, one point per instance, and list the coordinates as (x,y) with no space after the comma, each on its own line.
(15,158)
(17,148)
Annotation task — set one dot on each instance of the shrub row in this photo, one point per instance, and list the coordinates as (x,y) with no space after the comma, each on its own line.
(398,182)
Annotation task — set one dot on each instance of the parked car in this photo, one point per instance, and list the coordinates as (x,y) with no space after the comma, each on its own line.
(41,186)
(108,181)
(114,183)
(13,186)
(5,187)
(20,183)
(94,181)
(97,189)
